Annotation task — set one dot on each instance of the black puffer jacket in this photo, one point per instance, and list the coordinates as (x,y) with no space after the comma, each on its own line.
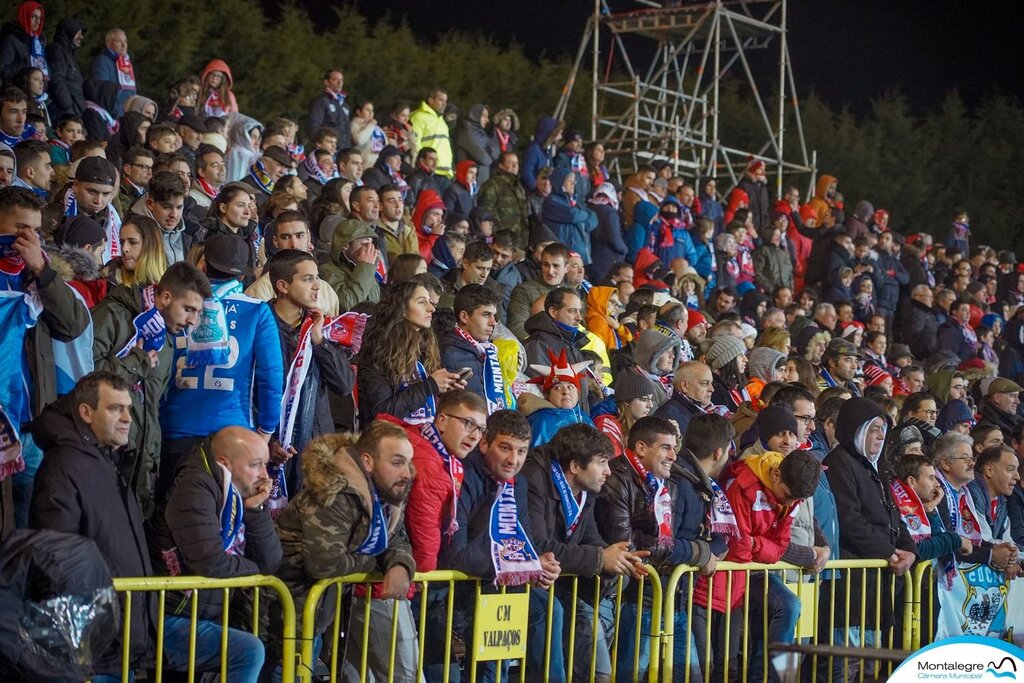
(918,328)
(188,530)
(871,527)
(67,81)
(78,490)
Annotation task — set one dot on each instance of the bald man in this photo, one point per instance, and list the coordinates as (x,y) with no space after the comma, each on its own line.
(693,386)
(215,523)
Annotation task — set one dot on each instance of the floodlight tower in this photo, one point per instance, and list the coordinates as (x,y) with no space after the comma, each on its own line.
(661,101)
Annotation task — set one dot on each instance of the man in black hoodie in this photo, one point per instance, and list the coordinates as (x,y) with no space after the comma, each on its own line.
(66,78)
(78,490)
(872,526)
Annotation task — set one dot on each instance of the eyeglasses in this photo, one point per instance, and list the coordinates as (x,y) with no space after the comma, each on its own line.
(806,419)
(472,426)
(969,458)
(144,167)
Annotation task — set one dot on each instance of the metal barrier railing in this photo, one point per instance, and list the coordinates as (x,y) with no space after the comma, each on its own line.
(862,629)
(925,607)
(443,658)
(192,586)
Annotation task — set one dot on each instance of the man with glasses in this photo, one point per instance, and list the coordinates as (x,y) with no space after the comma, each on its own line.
(136,172)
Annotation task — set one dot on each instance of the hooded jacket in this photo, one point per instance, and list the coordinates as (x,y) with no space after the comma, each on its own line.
(651,345)
(546,419)
(353,282)
(177,242)
(16,41)
(427,200)
(871,527)
(540,151)
(475,144)
(188,528)
(764,526)
(459,198)
(857,223)
(78,490)
(67,81)
(113,329)
(917,327)
(329,519)
(821,203)
(597,319)
(241,154)
(79,270)
(503,195)
(606,244)
(638,234)
(230,106)
(570,221)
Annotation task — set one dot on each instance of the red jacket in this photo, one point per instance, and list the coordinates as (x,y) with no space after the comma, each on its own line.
(764,527)
(428,510)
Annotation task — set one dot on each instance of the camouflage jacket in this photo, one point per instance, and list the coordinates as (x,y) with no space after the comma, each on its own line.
(504,196)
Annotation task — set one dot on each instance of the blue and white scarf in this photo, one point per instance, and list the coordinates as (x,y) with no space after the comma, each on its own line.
(19,311)
(494,385)
(377,539)
(454,466)
(515,561)
(424,413)
(149,326)
(208,340)
(571,508)
(259,175)
(232,524)
(314,171)
(37,57)
(10,140)
(109,121)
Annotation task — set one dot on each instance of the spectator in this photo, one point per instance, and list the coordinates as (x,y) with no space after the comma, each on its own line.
(349,518)
(192,535)
(634,399)
(839,364)
(136,172)
(142,261)
(164,203)
(13,113)
(352,270)
(693,387)
(917,325)
(66,78)
(564,478)
(460,197)
(216,83)
(245,136)
(468,345)
(328,109)
(113,65)
(23,43)
(571,224)
(918,494)
(772,261)
(266,171)
(400,370)
(754,184)
(956,335)
(1001,406)
(35,170)
(527,295)
(430,130)
(541,151)
(229,358)
(560,385)
(503,195)
(211,172)
(556,329)
(872,528)
(367,137)
(473,142)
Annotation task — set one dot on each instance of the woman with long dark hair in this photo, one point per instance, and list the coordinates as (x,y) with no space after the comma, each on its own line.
(400,371)
(727,357)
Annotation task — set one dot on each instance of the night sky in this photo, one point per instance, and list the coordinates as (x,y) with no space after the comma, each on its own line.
(846,51)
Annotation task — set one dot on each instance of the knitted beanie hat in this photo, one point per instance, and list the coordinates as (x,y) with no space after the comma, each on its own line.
(722,350)
(774,420)
(631,384)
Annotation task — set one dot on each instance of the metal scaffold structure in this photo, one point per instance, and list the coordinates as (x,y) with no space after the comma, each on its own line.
(662,101)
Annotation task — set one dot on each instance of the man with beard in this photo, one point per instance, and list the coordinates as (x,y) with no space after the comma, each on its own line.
(839,366)
(565,476)
(347,519)
(195,535)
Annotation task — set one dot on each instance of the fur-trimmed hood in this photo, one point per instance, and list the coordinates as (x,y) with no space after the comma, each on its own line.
(73,263)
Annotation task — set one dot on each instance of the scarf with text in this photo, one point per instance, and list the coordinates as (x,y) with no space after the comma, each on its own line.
(571,508)
(454,466)
(208,340)
(149,326)
(258,173)
(125,72)
(911,510)
(377,538)
(426,412)
(963,520)
(494,387)
(515,561)
(37,56)
(214,104)
(232,524)
(721,516)
(111,226)
(659,500)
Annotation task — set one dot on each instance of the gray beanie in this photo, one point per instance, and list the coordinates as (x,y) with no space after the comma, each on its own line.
(722,350)
(762,362)
(631,384)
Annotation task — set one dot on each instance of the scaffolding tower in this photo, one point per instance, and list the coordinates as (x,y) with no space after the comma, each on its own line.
(661,101)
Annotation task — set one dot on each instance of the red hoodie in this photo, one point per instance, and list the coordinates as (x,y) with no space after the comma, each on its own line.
(738,199)
(427,200)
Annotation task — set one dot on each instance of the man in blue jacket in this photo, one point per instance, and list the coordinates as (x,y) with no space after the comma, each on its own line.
(570,221)
(231,356)
(114,65)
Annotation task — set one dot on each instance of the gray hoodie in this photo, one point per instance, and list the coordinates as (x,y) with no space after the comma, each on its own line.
(175,244)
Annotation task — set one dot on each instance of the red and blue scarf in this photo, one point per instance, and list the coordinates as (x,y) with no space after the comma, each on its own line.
(454,467)
(659,500)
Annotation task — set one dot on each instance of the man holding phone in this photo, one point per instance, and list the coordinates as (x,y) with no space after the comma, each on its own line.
(468,350)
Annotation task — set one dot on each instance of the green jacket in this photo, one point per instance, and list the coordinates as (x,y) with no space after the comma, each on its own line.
(354,282)
(113,329)
(504,196)
(326,522)
(521,302)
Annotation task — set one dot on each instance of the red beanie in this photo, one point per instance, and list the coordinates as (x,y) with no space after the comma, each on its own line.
(875,375)
(755,166)
(695,318)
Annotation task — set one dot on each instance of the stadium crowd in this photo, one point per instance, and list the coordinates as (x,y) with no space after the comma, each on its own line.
(404,339)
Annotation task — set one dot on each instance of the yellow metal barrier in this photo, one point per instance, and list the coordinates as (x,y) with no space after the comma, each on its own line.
(163,584)
(445,657)
(821,604)
(925,607)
